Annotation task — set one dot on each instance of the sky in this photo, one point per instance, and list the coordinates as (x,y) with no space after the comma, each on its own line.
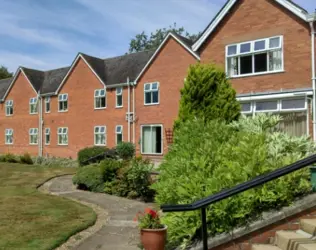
(47,34)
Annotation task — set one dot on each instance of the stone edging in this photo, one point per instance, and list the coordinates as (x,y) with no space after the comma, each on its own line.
(266,220)
(78,238)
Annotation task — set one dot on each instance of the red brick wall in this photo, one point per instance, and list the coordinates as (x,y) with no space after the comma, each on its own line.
(253,19)
(21,121)
(265,235)
(81,116)
(169,69)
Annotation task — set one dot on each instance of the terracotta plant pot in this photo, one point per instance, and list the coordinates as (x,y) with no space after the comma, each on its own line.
(153,239)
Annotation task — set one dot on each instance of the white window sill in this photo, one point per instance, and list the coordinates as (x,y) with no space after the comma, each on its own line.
(257,74)
(99,108)
(47,144)
(100,145)
(151,104)
(8,143)
(33,113)
(154,154)
(62,111)
(118,107)
(33,144)
(9,115)
(47,112)
(62,144)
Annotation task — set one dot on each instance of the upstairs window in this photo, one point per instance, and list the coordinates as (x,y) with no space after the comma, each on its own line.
(9,108)
(9,136)
(99,99)
(47,136)
(119,97)
(119,134)
(62,136)
(47,104)
(63,102)
(33,106)
(100,135)
(255,57)
(151,92)
(33,132)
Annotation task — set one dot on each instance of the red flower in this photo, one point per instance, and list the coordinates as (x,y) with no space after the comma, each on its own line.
(151,212)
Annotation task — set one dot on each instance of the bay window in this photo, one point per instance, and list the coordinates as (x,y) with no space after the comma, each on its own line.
(151,142)
(255,57)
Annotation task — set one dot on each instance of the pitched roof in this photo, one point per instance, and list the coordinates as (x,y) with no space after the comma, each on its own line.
(4,85)
(288,4)
(52,79)
(97,64)
(35,77)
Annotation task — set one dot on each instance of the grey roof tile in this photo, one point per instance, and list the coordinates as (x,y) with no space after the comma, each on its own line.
(36,77)
(52,79)
(4,85)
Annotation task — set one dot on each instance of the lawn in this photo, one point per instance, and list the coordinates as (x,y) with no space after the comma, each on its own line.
(33,220)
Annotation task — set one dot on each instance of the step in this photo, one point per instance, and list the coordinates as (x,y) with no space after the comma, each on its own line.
(287,240)
(307,247)
(309,226)
(265,247)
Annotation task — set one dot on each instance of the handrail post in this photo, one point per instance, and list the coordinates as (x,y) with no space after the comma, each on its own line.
(204,228)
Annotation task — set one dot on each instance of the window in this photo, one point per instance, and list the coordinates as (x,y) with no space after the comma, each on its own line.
(151,91)
(151,139)
(33,105)
(99,99)
(100,135)
(62,136)
(9,108)
(63,102)
(254,57)
(119,134)
(9,136)
(266,106)
(33,132)
(119,97)
(47,104)
(47,136)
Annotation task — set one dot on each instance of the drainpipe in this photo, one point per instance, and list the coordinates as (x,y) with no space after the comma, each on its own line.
(40,125)
(313,76)
(134,113)
(128,110)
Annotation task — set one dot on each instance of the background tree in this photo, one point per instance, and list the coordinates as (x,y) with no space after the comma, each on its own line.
(143,41)
(207,93)
(4,73)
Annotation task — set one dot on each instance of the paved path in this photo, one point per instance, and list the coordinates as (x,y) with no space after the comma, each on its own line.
(119,232)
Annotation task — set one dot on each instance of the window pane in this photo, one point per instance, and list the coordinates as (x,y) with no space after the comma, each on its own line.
(293,104)
(154,86)
(274,42)
(119,138)
(260,45)
(118,129)
(119,90)
(246,107)
(244,48)
(232,66)
(102,92)
(155,96)
(266,105)
(146,140)
(157,140)
(232,50)
(245,65)
(119,101)
(148,97)
(275,60)
(261,63)
(96,130)
(147,86)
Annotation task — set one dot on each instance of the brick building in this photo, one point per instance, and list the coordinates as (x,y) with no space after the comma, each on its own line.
(265,46)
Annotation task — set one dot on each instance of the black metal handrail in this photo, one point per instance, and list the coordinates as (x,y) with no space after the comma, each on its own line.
(259,180)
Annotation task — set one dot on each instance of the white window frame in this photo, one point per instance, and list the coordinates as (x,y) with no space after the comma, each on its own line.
(253,53)
(61,134)
(8,105)
(33,132)
(151,90)
(162,138)
(99,133)
(118,94)
(61,99)
(99,96)
(47,133)
(47,102)
(8,132)
(118,133)
(33,101)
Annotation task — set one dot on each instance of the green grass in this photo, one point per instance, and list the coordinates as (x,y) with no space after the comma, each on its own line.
(33,220)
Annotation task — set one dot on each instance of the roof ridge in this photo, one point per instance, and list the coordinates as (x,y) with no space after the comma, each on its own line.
(128,54)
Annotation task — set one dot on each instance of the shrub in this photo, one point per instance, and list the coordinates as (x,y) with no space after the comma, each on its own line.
(54,162)
(207,157)
(10,158)
(89,152)
(109,169)
(26,159)
(126,150)
(89,178)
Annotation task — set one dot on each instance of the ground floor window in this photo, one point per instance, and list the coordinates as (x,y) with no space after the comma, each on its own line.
(9,136)
(47,136)
(62,136)
(151,142)
(33,132)
(294,113)
(119,134)
(100,135)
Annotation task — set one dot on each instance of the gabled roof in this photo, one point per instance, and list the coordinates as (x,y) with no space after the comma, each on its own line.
(35,77)
(186,43)
(288,4)
(52,79)
(4,85)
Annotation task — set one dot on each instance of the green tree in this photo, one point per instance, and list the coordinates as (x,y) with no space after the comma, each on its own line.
(4,73)
(143,41)
(208,93)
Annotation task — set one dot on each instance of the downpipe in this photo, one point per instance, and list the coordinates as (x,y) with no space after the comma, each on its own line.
(313,77)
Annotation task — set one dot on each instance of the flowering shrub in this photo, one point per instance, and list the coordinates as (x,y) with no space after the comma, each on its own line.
(149,219)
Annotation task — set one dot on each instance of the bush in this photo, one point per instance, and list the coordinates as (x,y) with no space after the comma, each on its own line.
(26,159)
(126,150)
(87,153)
(54,162)
(109,169)
(89,178)
(207,157)
(10,158)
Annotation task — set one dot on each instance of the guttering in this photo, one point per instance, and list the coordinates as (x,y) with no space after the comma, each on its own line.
(48,94)
(311,22)
(274,96)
